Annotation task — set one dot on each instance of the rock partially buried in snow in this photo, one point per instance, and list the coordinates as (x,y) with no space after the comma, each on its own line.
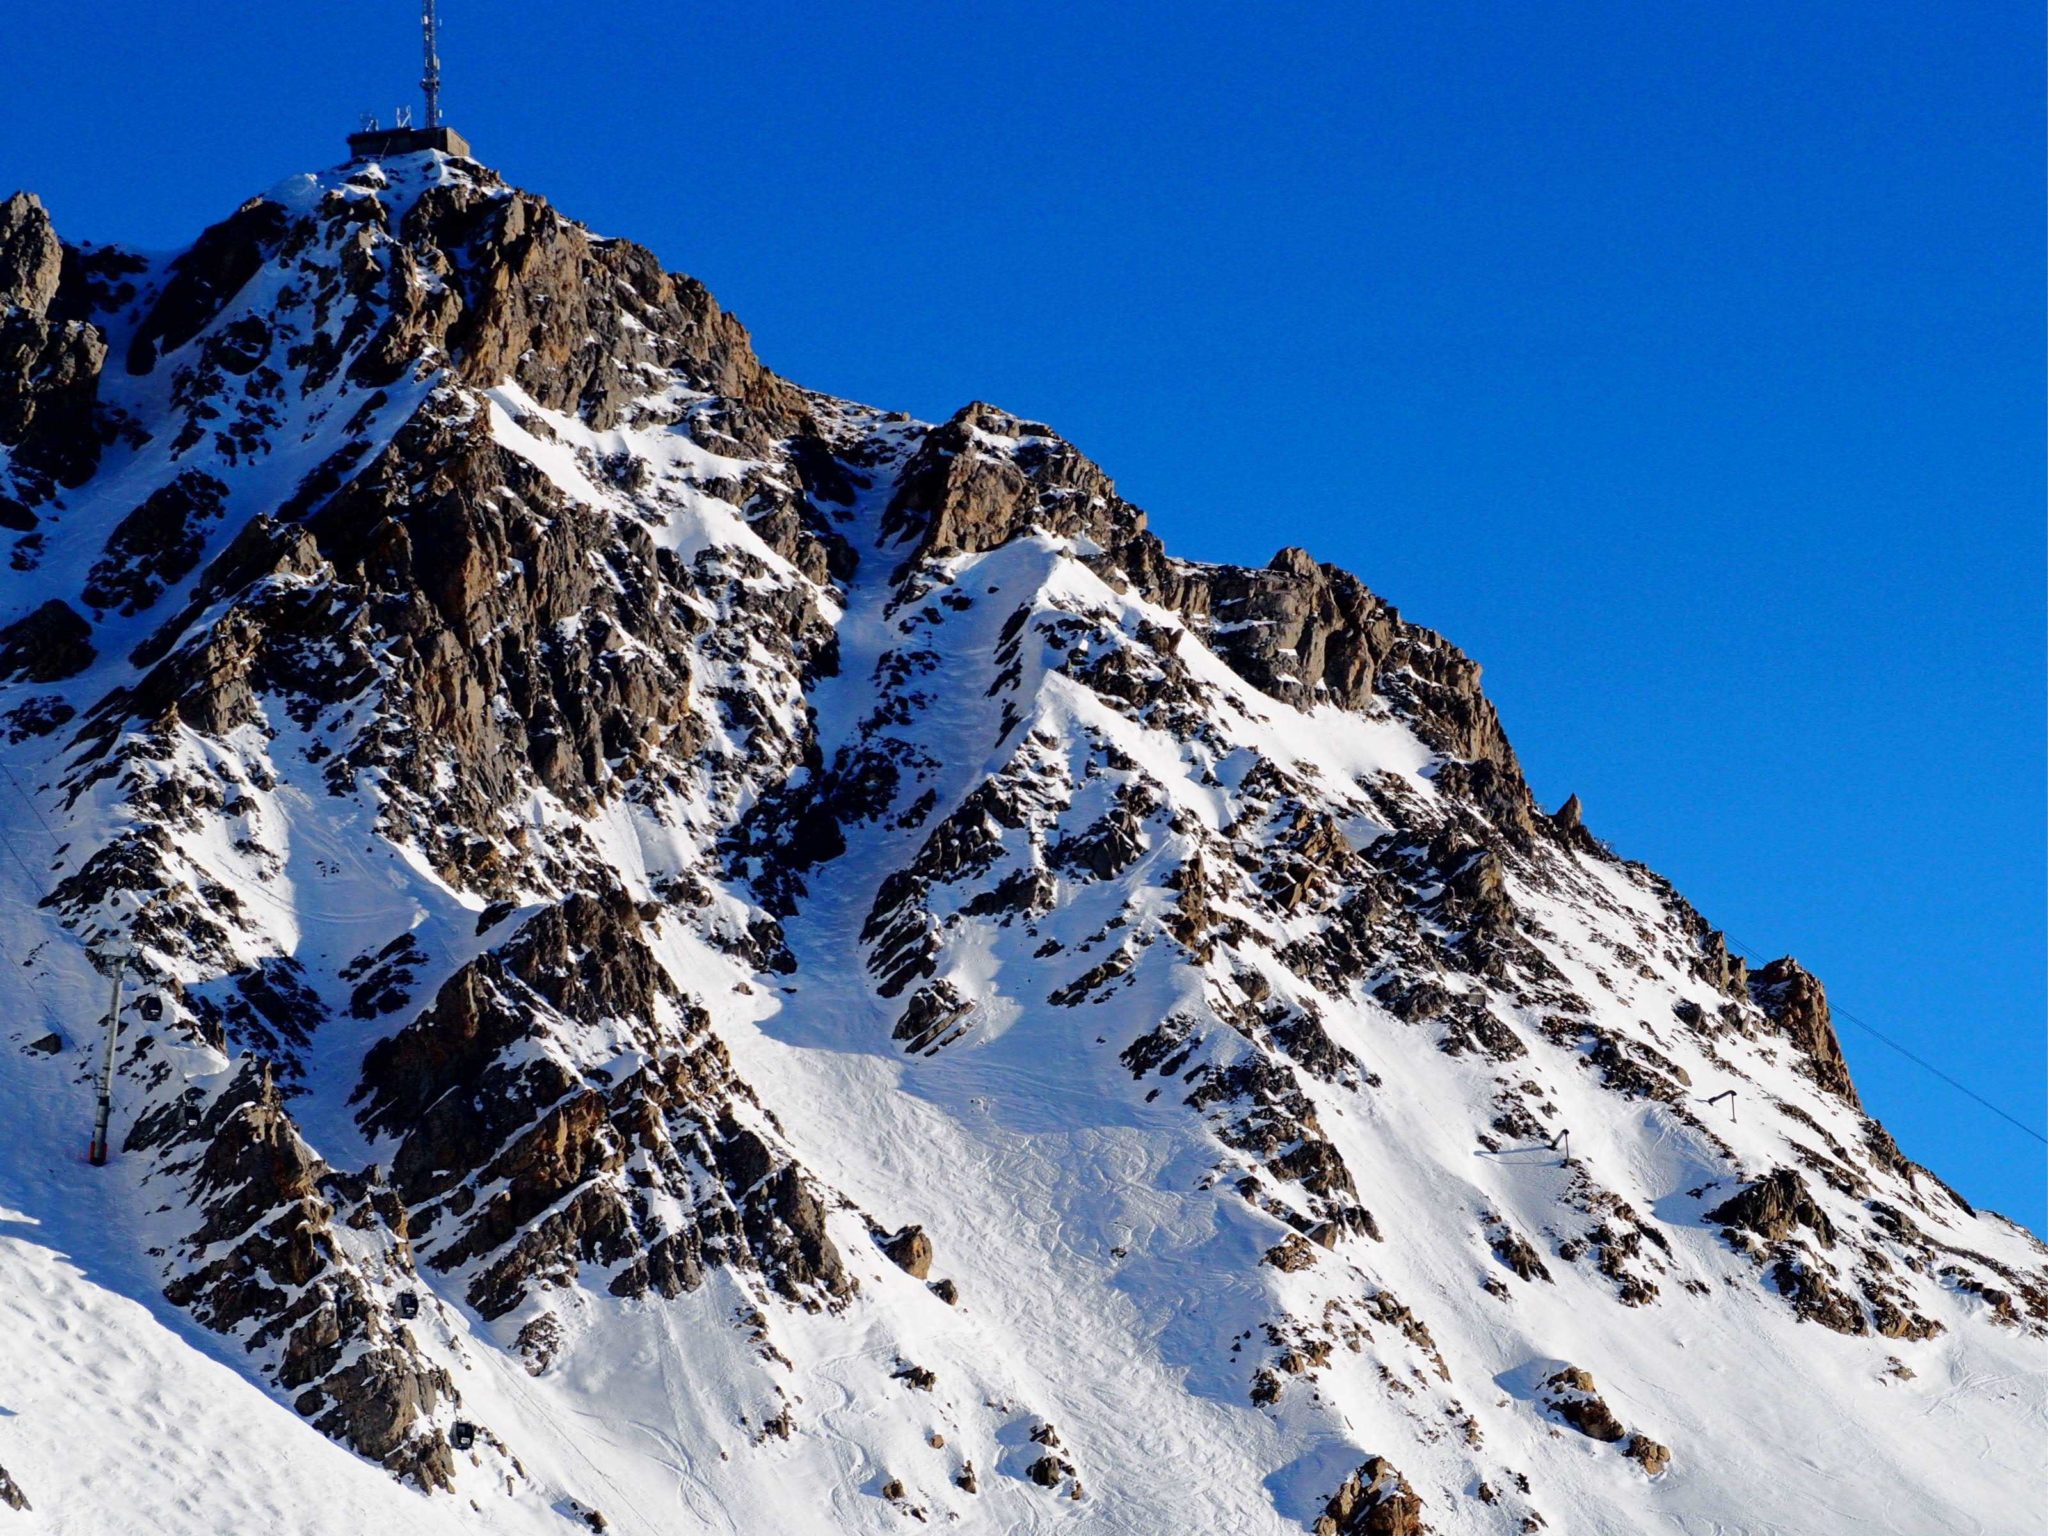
(1374,1501)
(1571,1395)
(10,1492)
(1653,1457)
(911,1251)
(1291,1253)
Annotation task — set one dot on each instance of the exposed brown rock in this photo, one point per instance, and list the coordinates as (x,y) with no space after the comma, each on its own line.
(10,1492)
(1513,1250)
(547,306)
(474,1110)
(1652,1457)
(31,256)
(1802,1282)
(1720,967)
(910,1251)
(1303,632)
(1376,1500)
(936,1015)
(959,493)
(49,367)
(156,545)
(273,1272)
(1797,1006)
(1291,1253)
(1568,824)
(1309,633)
(1774,1207)
(1571,1395)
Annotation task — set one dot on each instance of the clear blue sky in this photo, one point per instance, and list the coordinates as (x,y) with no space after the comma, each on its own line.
(1683,362)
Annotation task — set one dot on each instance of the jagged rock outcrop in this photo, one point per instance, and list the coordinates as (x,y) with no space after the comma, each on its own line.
(513,1160)
(1374,1501)
(1647,1454)
(156,545)
(1797,1006)
(584,325)
(49,369)
(1301,631)
(203,280)
(1571,1395)
(1775,1207)
(986,477)
(269,1265)
(31,255)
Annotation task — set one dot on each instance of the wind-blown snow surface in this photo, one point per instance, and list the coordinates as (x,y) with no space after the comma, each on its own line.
(1214,1033)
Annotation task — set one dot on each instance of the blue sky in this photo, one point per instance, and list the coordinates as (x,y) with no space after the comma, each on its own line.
(1683,363)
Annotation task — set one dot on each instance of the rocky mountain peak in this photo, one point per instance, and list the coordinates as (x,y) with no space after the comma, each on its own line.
(707,942)
(31,256)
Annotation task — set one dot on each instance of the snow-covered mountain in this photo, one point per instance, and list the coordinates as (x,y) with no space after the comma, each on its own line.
(710,958)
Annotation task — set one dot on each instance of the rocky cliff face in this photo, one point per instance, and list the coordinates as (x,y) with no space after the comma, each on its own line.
(613,842)
(49,362)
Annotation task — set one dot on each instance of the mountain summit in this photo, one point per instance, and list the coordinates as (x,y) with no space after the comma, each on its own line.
(694,955)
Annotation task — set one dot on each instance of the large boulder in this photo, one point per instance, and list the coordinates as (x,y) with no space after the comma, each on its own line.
(1374,1501)
(910,1251)
(1571,1395)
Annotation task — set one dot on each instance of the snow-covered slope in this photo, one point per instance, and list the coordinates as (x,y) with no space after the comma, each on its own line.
(704,957)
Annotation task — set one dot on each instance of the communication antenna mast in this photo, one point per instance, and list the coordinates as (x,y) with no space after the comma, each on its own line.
(432,135)
(430,81)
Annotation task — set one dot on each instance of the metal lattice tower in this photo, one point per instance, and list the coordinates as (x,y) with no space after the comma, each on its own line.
(430,81)
(405,137)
